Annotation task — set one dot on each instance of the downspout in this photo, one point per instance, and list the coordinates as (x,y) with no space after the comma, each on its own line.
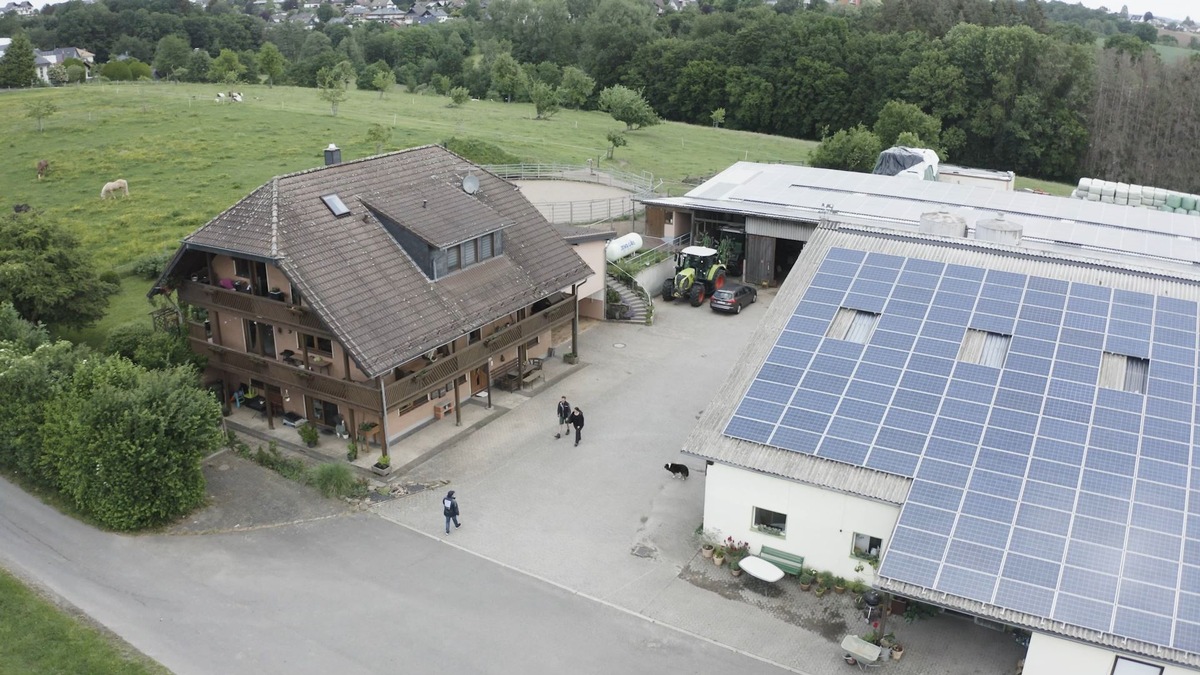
(575,320)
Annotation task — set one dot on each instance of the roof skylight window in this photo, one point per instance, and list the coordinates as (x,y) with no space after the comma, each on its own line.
(335,204)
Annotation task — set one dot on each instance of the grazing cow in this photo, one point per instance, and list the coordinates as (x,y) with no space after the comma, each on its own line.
(220,97)
(42,167)
(110,189)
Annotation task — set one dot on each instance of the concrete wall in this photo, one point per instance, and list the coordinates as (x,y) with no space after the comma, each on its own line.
(591,291)
(1051,655)
(652,277)
(820,523)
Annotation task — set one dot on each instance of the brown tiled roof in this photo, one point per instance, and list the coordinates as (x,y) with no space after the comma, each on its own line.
(439,216)
(362,284)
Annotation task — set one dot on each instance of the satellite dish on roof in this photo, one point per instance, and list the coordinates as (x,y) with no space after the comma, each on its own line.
(470,184)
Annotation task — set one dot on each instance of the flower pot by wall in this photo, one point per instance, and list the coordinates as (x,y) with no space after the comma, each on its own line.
(706,550)
(735,571)
(718,560)
(571,358)
(897,652)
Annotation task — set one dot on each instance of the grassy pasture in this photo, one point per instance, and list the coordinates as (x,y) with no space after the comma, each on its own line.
(187,157)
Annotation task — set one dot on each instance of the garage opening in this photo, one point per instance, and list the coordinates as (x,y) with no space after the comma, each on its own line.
(787,252)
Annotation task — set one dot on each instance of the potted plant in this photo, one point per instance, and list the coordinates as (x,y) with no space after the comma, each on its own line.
(719,556)
(805,581)
(897,651)
(706,551)
(735,567)
(736,550)
(571,358)
(825,579)
(308,434)
(820,590)
(351,451)
(887,640)
(382,467)
(839,585)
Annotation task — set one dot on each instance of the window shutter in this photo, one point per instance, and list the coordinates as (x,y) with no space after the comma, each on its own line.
(485,247)
(468,253)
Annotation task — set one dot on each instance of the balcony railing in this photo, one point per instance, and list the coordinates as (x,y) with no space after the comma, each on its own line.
(400,392)
(259,308)
(364,395)
(437,374)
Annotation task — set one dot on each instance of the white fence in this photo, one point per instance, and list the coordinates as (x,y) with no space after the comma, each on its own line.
(638,184)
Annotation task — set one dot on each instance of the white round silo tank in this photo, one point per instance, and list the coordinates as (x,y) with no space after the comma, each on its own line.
(622,246)
(998,230)
(942,223)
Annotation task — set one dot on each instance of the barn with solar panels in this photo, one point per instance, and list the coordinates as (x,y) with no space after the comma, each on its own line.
(1008,428)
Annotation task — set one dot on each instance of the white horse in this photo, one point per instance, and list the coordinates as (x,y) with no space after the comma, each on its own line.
(110,189)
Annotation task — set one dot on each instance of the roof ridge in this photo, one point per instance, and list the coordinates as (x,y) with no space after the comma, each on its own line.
(360,160)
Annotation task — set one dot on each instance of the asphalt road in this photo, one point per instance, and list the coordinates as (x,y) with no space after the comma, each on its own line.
(352,594)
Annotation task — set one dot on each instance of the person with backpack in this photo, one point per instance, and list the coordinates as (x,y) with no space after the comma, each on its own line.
(564,413)
(576,420)
(450,510)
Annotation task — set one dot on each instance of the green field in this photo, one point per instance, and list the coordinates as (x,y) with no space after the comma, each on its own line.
(40,638)
(187,158)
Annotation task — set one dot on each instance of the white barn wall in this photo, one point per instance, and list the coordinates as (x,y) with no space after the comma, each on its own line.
(1050,655)
(820,523)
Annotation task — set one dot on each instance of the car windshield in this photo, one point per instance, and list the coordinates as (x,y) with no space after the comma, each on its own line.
(723,294)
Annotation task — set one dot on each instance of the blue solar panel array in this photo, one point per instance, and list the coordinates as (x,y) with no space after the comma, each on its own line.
(1034,488)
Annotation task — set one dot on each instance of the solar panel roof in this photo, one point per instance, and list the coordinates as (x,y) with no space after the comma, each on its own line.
(1034,488)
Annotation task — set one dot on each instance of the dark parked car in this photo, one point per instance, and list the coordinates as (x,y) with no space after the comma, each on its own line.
(733,298)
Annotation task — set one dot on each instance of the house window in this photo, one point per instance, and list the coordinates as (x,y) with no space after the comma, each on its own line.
(255,332)
(476,336)
(852,325)
(319,344)
(241,268)
(770,522)
(468,253)
(984,348)
(1126,373)
(296,296)
(866,546)
(1124,666)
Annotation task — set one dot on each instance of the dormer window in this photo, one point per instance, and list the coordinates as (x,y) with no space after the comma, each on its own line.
(335,204)
(467,253)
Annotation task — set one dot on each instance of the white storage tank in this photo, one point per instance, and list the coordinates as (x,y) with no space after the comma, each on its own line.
(942,223)
(999,231)
(622,246)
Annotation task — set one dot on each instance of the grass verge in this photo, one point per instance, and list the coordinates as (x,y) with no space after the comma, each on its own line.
(38,637)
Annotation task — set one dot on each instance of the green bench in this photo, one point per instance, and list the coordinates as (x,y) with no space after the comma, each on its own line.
(788,562)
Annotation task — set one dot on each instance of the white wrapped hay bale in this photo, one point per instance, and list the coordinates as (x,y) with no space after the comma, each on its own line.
(1108,189)
(1173,200)
(1187,202)
(1084,184)
(1092,197)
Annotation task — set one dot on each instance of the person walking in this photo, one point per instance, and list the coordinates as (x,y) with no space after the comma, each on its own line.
(576,420)
(450,510)
(564,414)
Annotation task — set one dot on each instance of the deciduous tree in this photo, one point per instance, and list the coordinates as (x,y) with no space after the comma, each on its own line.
(47,274)
(576,87)
(855,149)
(271,62)
(545,100)
(332,83)
(39,110)
(628,106)
(16,66)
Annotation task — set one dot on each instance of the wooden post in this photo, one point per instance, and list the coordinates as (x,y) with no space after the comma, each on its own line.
(457,403)
(383,419)
(487,369)
(575,320)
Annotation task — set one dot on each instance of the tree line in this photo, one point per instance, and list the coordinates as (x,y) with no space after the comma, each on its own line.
(1013,84)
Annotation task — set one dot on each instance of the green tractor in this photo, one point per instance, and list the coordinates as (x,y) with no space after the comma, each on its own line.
(698,273)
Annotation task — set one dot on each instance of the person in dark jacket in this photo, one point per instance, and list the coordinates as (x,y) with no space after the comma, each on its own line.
(450,510)
(564,414)
(576,420)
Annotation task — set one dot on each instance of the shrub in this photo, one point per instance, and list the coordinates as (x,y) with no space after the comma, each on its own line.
(151,266)
(334,480)
(855,149)
(459,96)
(478,151)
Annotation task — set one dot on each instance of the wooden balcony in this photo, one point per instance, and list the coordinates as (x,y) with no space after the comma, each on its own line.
(358,394)
(437,374)
(255,307)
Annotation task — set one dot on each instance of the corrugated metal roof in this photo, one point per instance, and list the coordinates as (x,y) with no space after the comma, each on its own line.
(1107,231)
(357,278)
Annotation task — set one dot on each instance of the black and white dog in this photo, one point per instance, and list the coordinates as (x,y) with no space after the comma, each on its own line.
(677,470)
